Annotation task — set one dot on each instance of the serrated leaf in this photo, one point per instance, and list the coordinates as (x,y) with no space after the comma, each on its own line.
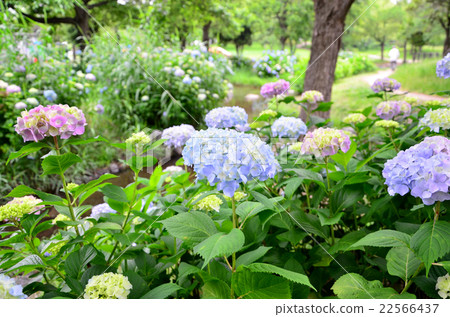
(76,261)
(162,291)
(402,262)
(292,185)
(251,285)
(216,289)
(26,150)
(58,164)
(384,238)
(344,158)
(31,260)
(269,268)
(431,242)
(252,256)
(248,209)
(114,192)
(193,227)
(220,244)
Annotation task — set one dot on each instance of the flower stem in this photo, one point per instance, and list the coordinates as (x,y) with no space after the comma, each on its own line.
(66,191)
(392,140)
(437,209)
(235,225)
(330,194)
(408,284)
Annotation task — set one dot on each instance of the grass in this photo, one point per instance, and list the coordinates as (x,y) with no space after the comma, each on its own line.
(256,50)
(349,95)
(248,77)
(421,77)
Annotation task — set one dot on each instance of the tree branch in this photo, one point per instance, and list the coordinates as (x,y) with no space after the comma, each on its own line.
(99,4)
(54,20)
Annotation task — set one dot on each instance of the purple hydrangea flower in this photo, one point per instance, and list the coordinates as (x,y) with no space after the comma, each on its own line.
(179,72)
(187,80)
(90,77)
(226,117)
(385,84)
(99,109)
(228,158)
(101,209)
(443,67)
(423,170)
(312,98)
(387,110)
(325,142)
(177,136)
(13,89)
(20,105)
(54,120)
(289,127)
(277,88)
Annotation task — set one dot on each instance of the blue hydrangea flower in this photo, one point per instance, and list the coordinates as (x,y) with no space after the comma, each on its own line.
(9,289)
(89,68)
(177,136)
(443,67)
(101,209)
(385,84)
(187,80)
(288,127)
(50,95)
(228,158)
(436,119)
(423,169)
(226,117)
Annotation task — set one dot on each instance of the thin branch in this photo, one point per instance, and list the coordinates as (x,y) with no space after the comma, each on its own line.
(54,20)
(99,4)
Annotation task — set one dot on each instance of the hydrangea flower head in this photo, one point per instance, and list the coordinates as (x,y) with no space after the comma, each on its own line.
(387,124)
(32,101)
(237,196)
(413,101)
(385,84)
(13,89)
(100,209)
(325,142)
(277,88)
(60,217)
(177,136)
(173,169)
(443,67)
(209,203)
(20,105)
(387,110)
(295,148)
(138,140)
(90,77)
(226,117)
(228,158)
(54,120)
(312,98)
(9,289)
(50,95)
(20,206)
(289,127)
(436,119)
(443,285)
(268,112)
(354,118)
(404,108)
(108,286)
(423,170)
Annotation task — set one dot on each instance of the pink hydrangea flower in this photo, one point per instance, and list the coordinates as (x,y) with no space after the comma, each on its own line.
(54,120)
(325,142)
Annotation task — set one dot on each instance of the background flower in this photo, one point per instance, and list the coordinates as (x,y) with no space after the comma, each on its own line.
(177,136)
(289,127)
(325,142)
(226,117)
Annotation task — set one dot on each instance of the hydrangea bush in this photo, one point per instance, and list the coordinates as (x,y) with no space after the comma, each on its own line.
(274,64)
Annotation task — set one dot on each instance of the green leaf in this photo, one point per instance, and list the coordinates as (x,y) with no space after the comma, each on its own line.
(216,289)
(402,262)
(308,174)
(31,260)
(23,190)
(162,291)
(139,285)
(86,141)
(353,285)
(220,244)
(292,185)
(76,261)
(385,238)
(344,158)
(137,163)
(248,209)
(251,285)
(446,265)
(264,200)
(346,197)
(193,227)
(269,268)
(431,242)
(58,164)
(326,219)
(92,184)
(114,192)
(324,106)
(185,269)
(252,256)
(26,150)
(108,226)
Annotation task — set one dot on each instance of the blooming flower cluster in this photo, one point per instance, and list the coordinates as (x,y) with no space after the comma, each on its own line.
(387,124)
(20,206)
(413,101)
(385,84)
(389,110)
(237,196)
(443,67)
(209,203)
(173,169)
(423,169)
(226,117)
(60,217)
(138,140)
(436,119)
(325,141)
(13,89)
(354,118)
(312,98)
(108,286)
(277,88)
(268,112)
(9,289)
(54,120)
(228,158)
(177,136)
(100,209)
(295,148)
(289,127)
(443,286)
(274,63)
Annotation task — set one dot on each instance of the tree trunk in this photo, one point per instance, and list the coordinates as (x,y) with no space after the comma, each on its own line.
(326,41)
(283,42)
(420,53)
(382,50)
(82,22)
(205,37)
(405,52)
(446,43)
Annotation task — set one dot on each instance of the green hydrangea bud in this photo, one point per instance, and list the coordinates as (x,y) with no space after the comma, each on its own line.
(443,286)
(18,207)
(295,148)
(60,217)
(387,124)
(354,118)
(209,203)
(237,196)
(72,186)
(108,286)
(54,248)
(138,139)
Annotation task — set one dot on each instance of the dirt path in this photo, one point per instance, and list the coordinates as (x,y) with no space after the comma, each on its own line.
(370,78)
